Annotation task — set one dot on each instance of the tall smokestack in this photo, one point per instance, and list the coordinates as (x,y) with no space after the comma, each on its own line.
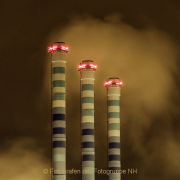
(87,71)
(58,104)
(113,100)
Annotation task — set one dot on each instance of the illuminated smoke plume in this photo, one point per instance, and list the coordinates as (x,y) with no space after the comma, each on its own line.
(145,61)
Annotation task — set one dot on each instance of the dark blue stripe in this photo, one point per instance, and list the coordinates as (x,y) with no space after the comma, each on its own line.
(58,117)
(88,132)
(88,145)
(57,144)
(114,157)
(114,168)
(88,157)
(114,145)
(59,130)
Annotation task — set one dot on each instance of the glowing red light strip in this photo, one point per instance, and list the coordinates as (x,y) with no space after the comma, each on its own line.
(83,66)
(55,47)
(110,82)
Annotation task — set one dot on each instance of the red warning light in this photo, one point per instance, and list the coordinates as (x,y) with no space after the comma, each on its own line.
(113,82)
(62,47)
(79,67)
(56,47)
(89,66)
(49,49)
(119,83)
(105,84)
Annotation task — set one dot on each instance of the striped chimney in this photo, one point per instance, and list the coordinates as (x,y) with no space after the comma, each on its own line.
(113,100)
(58,109)
(87,70)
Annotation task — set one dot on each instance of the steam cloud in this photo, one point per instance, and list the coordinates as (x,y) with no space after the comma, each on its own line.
(145,61)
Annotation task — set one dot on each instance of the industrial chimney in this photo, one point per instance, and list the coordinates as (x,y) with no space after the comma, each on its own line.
(87,71)
(58,106)
(113,122)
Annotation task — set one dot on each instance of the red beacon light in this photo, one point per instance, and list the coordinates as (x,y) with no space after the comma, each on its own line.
(119,83)
(62,47)
(111,82)
(56,47)
(49,49)
(105,84)
(95,66)
(84,66)
(79,67)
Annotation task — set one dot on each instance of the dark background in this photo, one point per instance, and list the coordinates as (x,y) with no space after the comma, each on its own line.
(137,41)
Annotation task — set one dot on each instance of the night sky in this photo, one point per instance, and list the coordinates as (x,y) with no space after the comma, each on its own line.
(137,41)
